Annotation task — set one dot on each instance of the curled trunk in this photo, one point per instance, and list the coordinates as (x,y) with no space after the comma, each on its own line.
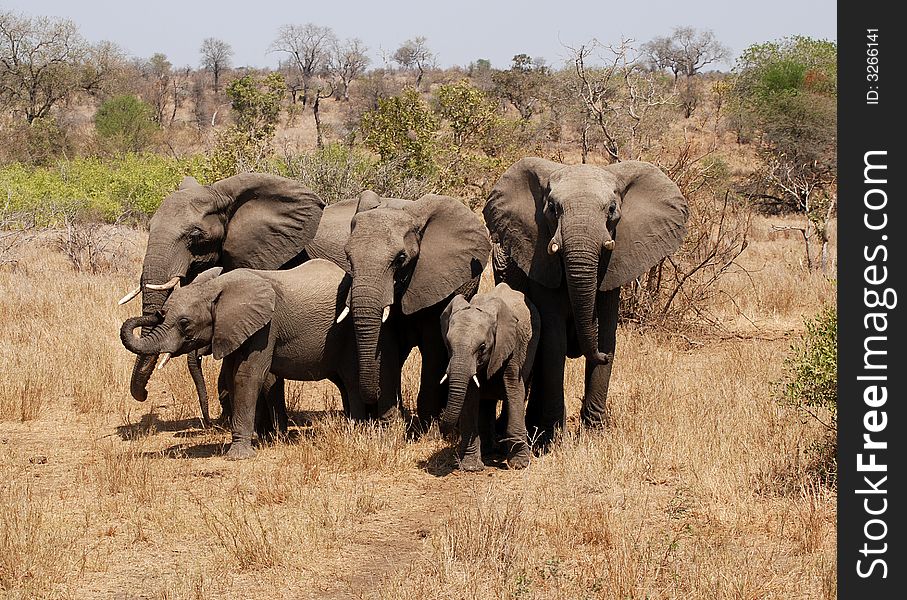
(145,345)
(152,301)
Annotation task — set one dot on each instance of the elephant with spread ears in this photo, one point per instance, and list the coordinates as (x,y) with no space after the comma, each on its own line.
(407,260)
(568,236)
(250,220)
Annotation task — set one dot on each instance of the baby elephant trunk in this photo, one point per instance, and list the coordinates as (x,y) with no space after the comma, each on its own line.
(459,373)
(148,344)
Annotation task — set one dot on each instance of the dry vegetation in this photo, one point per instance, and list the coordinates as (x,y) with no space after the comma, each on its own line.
(700,489)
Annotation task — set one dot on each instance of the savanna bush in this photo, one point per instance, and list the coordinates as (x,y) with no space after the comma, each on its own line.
(126,123)
(133,185)
(810,384)
(811,379)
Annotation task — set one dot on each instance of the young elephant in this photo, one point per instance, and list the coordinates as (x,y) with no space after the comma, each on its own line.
(491,341)
(268,325)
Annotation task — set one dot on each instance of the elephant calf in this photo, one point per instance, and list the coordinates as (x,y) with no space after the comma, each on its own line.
(268,325)
(491,341)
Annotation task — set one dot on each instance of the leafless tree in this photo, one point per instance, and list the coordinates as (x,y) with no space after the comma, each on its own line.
(348,61)
(156,71)
(685,52)
(45,61)
(309,47)
(216,57)
(415,54)
(620,96)
(322,89)
(292,76)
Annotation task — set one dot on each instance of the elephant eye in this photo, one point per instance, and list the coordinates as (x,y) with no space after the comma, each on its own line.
(183,323)
(482,347)
(612,208)
(400,258)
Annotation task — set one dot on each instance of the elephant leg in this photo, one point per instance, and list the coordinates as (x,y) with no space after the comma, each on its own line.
(470,451)
(545,411)
(431,398)
(386,409)
(487,411)
(224,384)
(353,403)
(247,386)
(594,412)
(516,439)
(194,361)
(271,409)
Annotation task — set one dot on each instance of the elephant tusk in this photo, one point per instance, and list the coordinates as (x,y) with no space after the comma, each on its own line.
(553,247)
(609,245)
(386,313)
(130,295)
(173,283)
(443,379)
(165,357)
(343,314)
(476,379)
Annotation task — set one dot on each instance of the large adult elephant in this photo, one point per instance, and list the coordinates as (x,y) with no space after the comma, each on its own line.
(251,220)
(568,236)
(407,260)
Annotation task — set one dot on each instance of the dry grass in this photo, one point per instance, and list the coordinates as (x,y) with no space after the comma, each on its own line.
(700,489)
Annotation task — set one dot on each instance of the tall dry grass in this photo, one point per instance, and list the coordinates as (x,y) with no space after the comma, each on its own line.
(700,488)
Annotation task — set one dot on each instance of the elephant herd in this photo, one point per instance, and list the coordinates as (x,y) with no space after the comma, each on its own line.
(255,270)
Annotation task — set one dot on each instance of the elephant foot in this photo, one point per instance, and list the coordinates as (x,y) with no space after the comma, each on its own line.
(541,439)
(388,416)
(596,422)
(471,464)
(519,459)
(240,452)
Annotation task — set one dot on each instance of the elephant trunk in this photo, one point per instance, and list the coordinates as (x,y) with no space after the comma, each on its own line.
(366,310)
(145,345)
(152,301)
(582,251)
(462,368)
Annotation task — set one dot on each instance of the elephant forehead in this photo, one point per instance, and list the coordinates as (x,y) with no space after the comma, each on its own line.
(471,319)
(583,176)
(178,207)
(378,225)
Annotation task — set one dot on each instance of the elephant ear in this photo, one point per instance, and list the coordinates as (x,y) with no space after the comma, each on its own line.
(333,233)
(208,275)
(189,182)
(653,216)
(505,334)
(244,305)
(271,219)
(456,304)
(515,216)
(453,249)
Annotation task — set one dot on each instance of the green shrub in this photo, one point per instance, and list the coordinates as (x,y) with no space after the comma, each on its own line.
(125,122)
(811,385)
(812,367)
(402,131)
(133,186)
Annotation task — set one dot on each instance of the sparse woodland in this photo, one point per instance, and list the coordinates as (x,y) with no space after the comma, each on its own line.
(715,478)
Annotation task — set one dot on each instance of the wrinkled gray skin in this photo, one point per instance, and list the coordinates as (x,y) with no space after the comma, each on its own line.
(251,220)
(568,236)
(493,338)
(268,326)
(411,257)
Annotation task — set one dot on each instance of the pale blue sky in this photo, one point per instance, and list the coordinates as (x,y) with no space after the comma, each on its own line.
(459,32)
